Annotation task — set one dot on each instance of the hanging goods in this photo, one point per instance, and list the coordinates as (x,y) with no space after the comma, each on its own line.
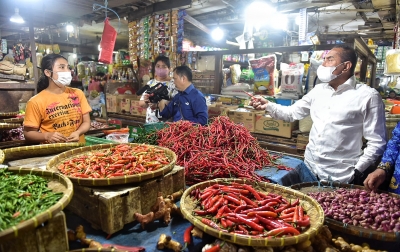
(107,43)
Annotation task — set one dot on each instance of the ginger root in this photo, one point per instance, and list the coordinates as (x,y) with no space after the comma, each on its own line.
(166,242)
(196,232)
(160,210)
(79,234)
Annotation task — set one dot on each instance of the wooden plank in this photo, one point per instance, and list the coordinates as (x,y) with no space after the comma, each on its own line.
(14,85)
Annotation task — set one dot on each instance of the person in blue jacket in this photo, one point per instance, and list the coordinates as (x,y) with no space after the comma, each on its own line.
(189,103)
(390,162)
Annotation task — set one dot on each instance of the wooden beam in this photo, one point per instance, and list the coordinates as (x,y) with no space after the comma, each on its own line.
(197,24)
(33,51)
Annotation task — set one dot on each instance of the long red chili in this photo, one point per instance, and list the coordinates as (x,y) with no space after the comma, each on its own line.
(187,236)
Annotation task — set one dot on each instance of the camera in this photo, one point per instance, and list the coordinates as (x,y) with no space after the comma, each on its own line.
(156,93)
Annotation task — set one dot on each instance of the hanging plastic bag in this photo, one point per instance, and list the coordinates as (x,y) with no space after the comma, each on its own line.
(107,43)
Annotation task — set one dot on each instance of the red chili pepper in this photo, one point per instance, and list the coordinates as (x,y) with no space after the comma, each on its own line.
(248,201)
(252,191)
(289,210)
(187,236)
(215,207)
(296,215)
(210,223)
(304,222)
(232,199)
(282,231)
(262,208)
(295,203)
(250,224)
(270,222)
(301,212)
(200,212)
(263,214)
(220,212)
(215,248)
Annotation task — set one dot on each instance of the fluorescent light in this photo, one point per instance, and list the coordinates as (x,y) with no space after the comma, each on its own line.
(217,34)
(16,18)
(70,28)
(362,33)
(74,55)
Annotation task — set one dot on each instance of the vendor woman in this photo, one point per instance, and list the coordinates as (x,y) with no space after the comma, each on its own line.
(57,114)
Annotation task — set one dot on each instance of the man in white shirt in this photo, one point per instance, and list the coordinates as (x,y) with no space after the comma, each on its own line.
(342,112)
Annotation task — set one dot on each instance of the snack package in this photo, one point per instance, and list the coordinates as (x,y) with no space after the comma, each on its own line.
(107,43)
(263,69)
(235,73)
(392,65)
(292,76)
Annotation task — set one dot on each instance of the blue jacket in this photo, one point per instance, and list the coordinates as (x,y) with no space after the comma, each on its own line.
(391,158)
(187,105)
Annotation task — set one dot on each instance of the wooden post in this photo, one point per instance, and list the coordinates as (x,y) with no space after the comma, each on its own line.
(33,51)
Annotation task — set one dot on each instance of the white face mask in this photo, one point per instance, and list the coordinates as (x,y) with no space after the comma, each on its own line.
(325,74)
(64,78)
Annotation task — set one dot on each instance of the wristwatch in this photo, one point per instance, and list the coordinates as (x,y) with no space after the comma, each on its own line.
(386,167)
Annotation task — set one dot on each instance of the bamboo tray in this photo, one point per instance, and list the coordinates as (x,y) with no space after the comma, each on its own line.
(340,226)
(8,114)
(12,120)
(57,160)
(38,150)
(314,210)
(58,183)
(1,156)
(8,126)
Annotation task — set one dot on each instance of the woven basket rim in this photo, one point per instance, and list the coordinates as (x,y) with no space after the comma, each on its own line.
(14,152)
(40,218)
(55,161)
(348,228)
(5,126)
(12,120)
(8,114)
(248,240)
(1,156)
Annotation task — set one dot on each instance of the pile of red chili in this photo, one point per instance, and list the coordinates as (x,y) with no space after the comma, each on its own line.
(116,161)
(239,208)
(223,149)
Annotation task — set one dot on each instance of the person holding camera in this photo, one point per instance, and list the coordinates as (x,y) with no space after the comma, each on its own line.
(189,104)
(161,72)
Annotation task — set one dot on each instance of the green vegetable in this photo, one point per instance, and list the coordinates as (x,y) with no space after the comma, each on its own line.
(22,197)
(147,137)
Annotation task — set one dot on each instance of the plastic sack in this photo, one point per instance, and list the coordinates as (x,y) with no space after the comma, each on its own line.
(305,124)
(107,43)
(237,90)
(118,137)
(235,73)
(264,69)
(292,76)
(392,65)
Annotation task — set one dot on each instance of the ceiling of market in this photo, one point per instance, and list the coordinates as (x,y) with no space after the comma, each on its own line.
(333,19)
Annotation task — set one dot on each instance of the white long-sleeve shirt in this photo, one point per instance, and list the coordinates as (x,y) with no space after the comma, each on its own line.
(340,119)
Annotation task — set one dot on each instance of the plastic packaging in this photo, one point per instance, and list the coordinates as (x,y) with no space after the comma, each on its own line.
(292,76)
(118,137)
(107,43)
(392,62)
(264,69)
(305,124)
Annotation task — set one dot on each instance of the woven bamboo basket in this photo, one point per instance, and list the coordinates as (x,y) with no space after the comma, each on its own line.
(314,210)
(8,126)
(1,156)
(58,183)
(340,226)
(8,114)
(57,160)
(38,150)
(12,120)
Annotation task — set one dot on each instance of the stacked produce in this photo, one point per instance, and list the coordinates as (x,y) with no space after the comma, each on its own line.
(239,208)
(98,125)
(222,149)
(12,135)
(23,197)
(377,211)
(116,161)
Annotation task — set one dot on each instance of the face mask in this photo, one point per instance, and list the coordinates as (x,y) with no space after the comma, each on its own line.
(162,72)
(325,74)
(64,78)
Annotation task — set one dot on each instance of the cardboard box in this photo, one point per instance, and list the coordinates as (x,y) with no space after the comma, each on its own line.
(110,208)
(137,110)
(111,102)
(302,141)
(264,124)
(247,119)
(219,110)
(125,105)
(51,236)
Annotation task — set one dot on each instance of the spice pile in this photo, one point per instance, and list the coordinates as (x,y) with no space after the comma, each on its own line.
(22,197)
(116,161)
(222,149)
(239,208)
